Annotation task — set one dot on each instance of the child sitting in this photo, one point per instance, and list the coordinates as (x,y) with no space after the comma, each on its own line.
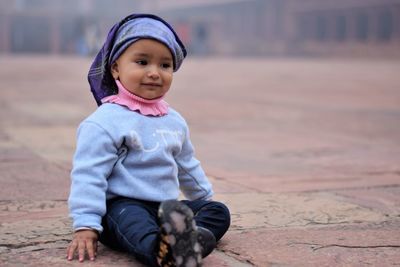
(134,156)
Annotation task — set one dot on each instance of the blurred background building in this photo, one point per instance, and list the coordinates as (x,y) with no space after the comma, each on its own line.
(224,27)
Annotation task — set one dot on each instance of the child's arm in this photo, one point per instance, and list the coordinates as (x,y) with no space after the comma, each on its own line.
(95,156)
(193,181)
(83,241)
(94,159)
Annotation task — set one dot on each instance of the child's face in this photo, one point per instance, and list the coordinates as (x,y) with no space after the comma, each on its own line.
(145,69)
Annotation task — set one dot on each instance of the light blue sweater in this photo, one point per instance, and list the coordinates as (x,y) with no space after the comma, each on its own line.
(123,153)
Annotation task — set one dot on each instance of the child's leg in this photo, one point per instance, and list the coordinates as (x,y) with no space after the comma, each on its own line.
(211,215)
(131,226)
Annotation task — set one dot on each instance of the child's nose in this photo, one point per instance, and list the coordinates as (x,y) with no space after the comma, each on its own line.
(153,72)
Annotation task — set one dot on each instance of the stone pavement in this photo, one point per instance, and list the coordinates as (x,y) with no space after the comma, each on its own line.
(306,153)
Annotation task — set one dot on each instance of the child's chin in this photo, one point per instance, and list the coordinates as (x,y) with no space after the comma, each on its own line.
(151,97)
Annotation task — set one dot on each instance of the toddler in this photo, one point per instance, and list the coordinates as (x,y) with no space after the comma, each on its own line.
(134,156)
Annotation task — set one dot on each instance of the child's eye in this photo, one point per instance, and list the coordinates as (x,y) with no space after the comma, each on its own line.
(141,62)
(166,65)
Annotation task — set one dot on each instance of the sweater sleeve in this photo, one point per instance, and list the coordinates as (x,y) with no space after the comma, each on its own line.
(95,156)
(192,179)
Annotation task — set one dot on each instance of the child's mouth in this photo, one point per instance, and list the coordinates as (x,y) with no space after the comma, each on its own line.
(151,84)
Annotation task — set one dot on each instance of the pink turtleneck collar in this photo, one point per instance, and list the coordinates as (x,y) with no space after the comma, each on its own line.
(153,107)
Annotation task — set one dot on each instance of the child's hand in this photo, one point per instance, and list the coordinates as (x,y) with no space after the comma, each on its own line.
(82,242)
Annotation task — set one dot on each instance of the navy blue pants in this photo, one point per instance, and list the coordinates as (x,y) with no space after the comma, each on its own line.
(132,225)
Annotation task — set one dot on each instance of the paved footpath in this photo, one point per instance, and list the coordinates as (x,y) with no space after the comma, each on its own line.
(306,153)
